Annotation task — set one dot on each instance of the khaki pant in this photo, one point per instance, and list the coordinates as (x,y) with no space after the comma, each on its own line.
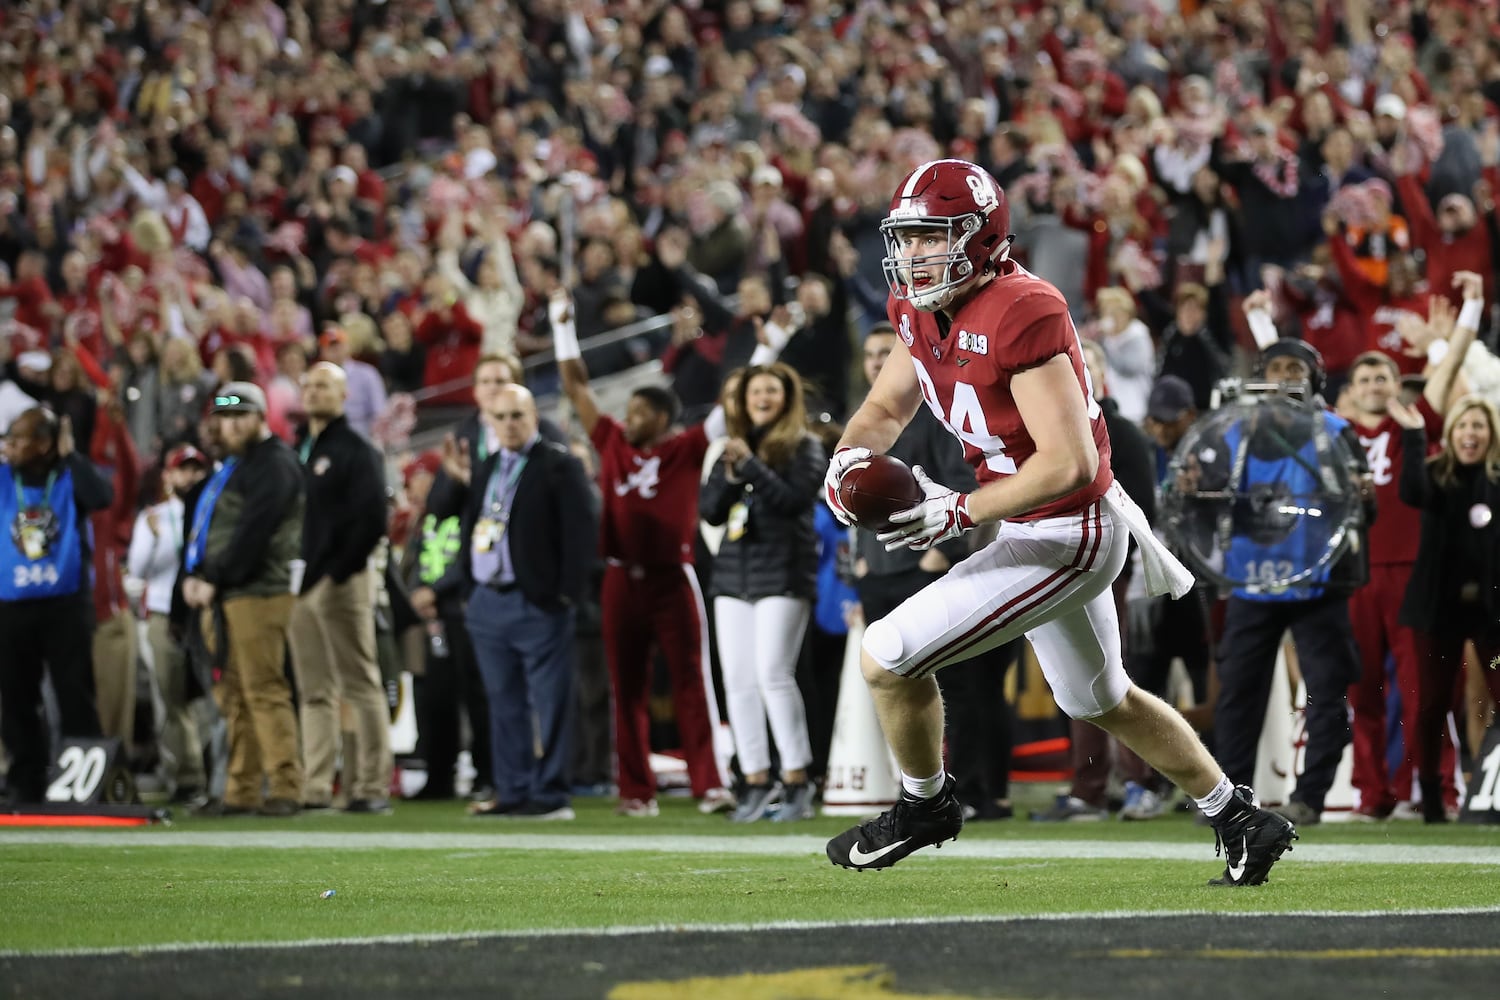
(114,677)
(179,730)
(257,701)
(333,658)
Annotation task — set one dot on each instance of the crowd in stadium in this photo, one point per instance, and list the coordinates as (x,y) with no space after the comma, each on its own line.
(301,236)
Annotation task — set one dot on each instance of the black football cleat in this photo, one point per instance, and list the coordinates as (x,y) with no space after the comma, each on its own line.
(907,826)
(1252,839)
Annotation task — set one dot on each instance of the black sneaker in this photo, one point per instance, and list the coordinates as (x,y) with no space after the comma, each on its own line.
(909,825)
(1252,839)
(380,807)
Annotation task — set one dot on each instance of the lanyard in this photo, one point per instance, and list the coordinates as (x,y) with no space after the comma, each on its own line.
(305,450)
(204,511)
(46,492)
(493,497)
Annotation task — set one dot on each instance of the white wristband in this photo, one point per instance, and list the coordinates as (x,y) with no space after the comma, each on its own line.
(1471,313)
(1436,352)
(565,341)
(1262,328)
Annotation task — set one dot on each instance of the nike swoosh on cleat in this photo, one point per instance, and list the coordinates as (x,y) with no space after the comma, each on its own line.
(859,857)
(1236,872)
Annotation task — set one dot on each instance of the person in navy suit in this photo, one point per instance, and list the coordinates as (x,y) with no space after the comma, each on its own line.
(528,531)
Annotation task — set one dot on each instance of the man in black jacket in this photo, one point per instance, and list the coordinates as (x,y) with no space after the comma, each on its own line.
(47,491)
(247,532)
(332,629)
(528,536)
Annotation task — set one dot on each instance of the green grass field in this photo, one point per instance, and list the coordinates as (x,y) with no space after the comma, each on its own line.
(429,870)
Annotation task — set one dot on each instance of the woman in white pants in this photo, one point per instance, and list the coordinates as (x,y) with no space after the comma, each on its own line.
(763,490)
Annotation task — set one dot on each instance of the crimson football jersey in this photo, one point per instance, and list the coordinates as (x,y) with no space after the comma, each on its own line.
(650,495)
(1017,321)
(1398,526)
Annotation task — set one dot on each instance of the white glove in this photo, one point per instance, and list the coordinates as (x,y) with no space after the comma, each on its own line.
(837,466)
(564,332)
(943,515)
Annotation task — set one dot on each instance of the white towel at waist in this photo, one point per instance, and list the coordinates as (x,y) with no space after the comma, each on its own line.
(1164,572)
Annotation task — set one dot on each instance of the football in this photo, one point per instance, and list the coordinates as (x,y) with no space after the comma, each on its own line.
(872,490)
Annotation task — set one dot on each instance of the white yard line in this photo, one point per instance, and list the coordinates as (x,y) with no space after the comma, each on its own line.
(778,925)
(788,846)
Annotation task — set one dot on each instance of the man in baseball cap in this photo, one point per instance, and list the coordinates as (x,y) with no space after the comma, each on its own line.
(1170,411)
(246,534)
(239,397)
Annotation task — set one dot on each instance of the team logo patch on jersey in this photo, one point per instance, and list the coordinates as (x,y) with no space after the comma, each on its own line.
(906,330)
(974,343)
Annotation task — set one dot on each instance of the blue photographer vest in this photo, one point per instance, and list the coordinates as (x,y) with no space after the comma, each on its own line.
(1302,544)
(43,514)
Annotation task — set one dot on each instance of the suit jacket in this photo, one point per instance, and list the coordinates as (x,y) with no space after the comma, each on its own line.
(553,532)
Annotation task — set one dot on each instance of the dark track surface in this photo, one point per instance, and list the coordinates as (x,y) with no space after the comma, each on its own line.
(1222,957)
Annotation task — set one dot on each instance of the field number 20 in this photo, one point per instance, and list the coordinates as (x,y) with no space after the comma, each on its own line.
(82,769)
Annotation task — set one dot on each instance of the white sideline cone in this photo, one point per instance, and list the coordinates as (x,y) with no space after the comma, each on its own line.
(862,774)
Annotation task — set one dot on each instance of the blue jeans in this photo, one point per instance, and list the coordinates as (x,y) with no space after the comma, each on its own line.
(525,657)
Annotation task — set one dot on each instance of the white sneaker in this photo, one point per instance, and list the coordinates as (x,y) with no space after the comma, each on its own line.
(638,808)
(716,800)
(1407,811)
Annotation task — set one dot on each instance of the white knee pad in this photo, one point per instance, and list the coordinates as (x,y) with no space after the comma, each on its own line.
(1104,695)
(884,644)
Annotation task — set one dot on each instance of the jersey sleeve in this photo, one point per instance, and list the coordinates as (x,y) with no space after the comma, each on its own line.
(1034,329)
(607,433)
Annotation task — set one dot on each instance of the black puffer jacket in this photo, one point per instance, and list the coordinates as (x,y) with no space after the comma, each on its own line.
(777,556)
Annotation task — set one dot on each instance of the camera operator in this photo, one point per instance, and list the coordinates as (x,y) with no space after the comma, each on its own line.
(1284,451)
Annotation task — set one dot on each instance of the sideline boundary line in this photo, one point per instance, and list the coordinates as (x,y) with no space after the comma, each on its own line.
(789,846)
(776,925)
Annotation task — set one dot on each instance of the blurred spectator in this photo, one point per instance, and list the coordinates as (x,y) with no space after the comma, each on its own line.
(494,299)
(156,546)
(332,627)
(116,643)
(1129,353)
(403,361)
(366,390)
(451,338)
(1197,345)
(247,530)
(185,388)
(450,686)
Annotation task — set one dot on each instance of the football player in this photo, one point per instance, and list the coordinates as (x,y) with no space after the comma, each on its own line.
(991,350)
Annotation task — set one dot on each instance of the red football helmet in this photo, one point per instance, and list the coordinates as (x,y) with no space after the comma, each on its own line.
(951,196)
